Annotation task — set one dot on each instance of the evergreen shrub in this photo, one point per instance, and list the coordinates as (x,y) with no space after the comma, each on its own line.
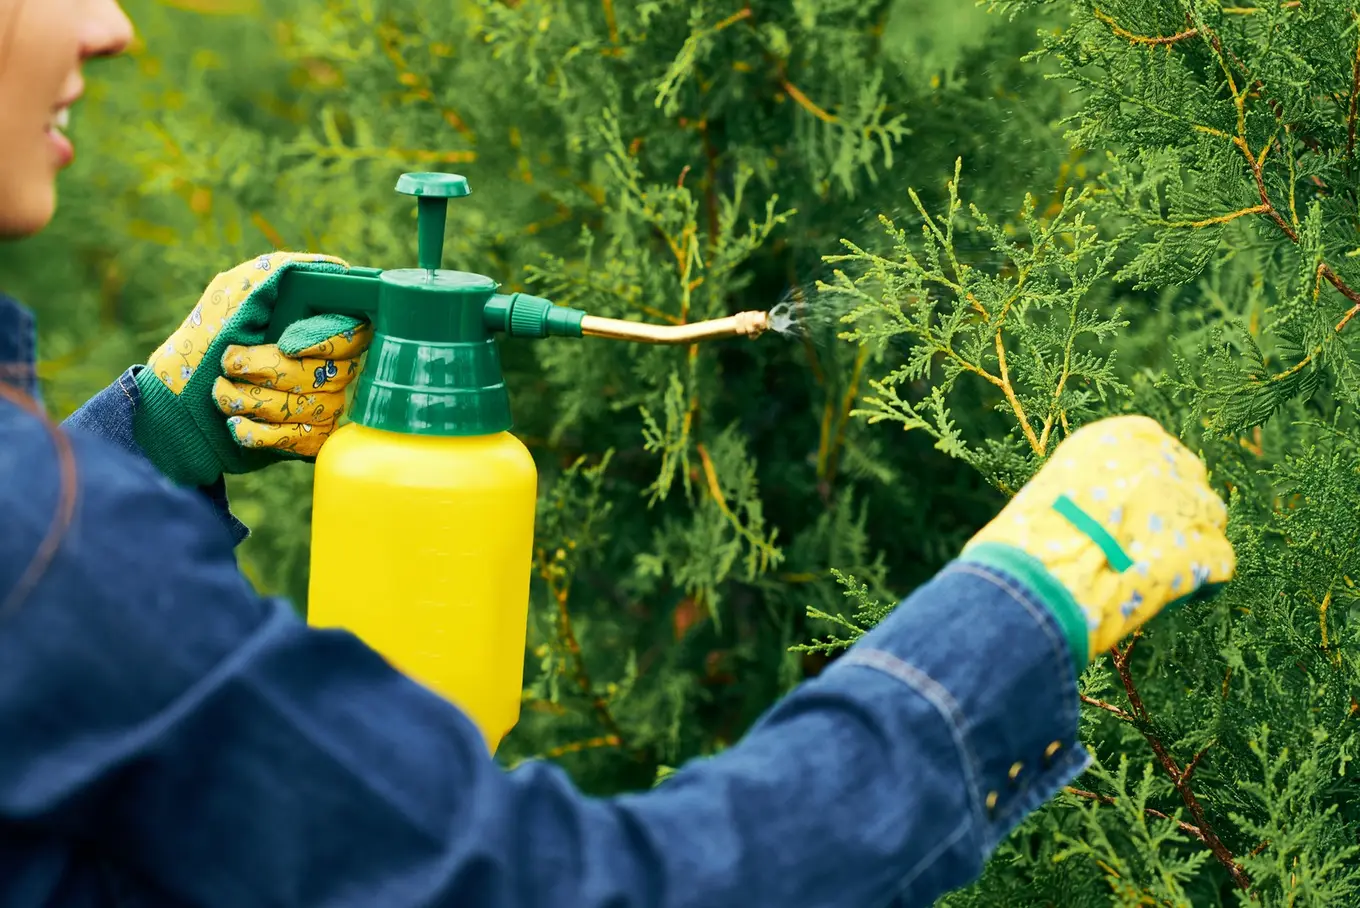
(991,225)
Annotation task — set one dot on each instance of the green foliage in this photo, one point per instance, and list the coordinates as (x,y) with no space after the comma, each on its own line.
(1211,248)
(870,612)
(1018,327)
(1160,218)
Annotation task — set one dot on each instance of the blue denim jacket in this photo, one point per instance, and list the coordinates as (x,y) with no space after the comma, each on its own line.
(168,737)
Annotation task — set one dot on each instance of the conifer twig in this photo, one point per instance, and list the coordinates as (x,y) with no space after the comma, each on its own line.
(1004,383)
(611,21)
(567,632)
(1180,778)
(781,71)
(1150,40)
(1351,109)
(828,451)
(578,746)
(1108,707)
(757,542)
(1185,827)
(1256,162)
(1252,10)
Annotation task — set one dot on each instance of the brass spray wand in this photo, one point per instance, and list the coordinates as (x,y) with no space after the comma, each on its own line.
(743,324)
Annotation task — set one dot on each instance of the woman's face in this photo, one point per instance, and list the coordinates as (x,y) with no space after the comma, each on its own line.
(43,44)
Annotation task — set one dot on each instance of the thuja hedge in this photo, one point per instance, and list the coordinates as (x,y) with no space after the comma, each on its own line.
(992,224)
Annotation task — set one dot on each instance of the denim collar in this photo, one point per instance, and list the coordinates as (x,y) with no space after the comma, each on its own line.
(18,347)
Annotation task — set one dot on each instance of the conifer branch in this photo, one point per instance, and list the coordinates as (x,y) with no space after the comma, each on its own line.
(1185,827)
(1354,106)
(1180,778)
(1108,707)
(1256,162)
(1150,40)
(1252,10)
(610,21)
(567,632)
(828,449)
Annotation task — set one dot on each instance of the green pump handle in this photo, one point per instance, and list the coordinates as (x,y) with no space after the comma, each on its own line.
(433,367)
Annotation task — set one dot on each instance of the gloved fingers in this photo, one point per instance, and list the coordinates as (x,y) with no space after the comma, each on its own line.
(1123,433)
(327,336)
(1190,506)
(1182,463)
(273,405)
(1207,559)
(303,439)
(267,366)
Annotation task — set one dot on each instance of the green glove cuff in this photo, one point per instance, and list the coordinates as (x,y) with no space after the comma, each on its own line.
(170,435)
(185,435)
(1046,588)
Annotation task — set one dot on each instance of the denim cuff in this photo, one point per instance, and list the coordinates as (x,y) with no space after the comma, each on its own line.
(991,657)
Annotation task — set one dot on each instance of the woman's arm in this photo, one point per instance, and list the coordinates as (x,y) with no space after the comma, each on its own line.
(111,415)
(152,703)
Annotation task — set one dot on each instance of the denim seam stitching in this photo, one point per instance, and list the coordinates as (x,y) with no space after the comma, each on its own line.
(939,697)
(1038,612)
(921,866)
(1042,617)
(1067,706)
(122,386)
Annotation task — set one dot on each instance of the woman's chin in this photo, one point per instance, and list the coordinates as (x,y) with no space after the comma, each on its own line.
(28,212)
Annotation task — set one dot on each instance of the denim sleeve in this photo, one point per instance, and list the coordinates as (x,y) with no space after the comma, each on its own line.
(110,413)
(154,707)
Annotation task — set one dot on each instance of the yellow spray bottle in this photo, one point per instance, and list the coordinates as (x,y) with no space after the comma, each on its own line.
(423,505)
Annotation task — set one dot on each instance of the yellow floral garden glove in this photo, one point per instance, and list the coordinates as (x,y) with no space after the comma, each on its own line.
(1117,526)
(216,399)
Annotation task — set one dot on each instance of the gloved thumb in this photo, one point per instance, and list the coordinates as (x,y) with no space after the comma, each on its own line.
(328,336)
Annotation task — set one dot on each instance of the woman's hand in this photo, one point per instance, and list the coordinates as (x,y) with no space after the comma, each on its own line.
(1118,525)
(216,400)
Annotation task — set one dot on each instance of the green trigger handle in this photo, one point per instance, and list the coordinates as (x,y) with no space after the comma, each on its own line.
(303,294)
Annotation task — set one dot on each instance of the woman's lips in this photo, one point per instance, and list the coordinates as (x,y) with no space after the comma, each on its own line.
(61,146)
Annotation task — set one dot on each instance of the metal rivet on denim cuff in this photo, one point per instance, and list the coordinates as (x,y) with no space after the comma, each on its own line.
(991,802)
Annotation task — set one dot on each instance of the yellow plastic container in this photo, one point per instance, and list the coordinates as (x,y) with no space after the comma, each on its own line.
(422,546)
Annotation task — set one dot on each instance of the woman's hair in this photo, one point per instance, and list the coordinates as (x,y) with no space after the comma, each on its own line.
(66,504)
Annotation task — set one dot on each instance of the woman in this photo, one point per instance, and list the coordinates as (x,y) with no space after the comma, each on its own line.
(168,737)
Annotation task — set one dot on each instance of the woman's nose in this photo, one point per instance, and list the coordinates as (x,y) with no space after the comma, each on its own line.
(108,30)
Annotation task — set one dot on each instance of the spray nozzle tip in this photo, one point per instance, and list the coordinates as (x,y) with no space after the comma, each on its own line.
(752,324)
